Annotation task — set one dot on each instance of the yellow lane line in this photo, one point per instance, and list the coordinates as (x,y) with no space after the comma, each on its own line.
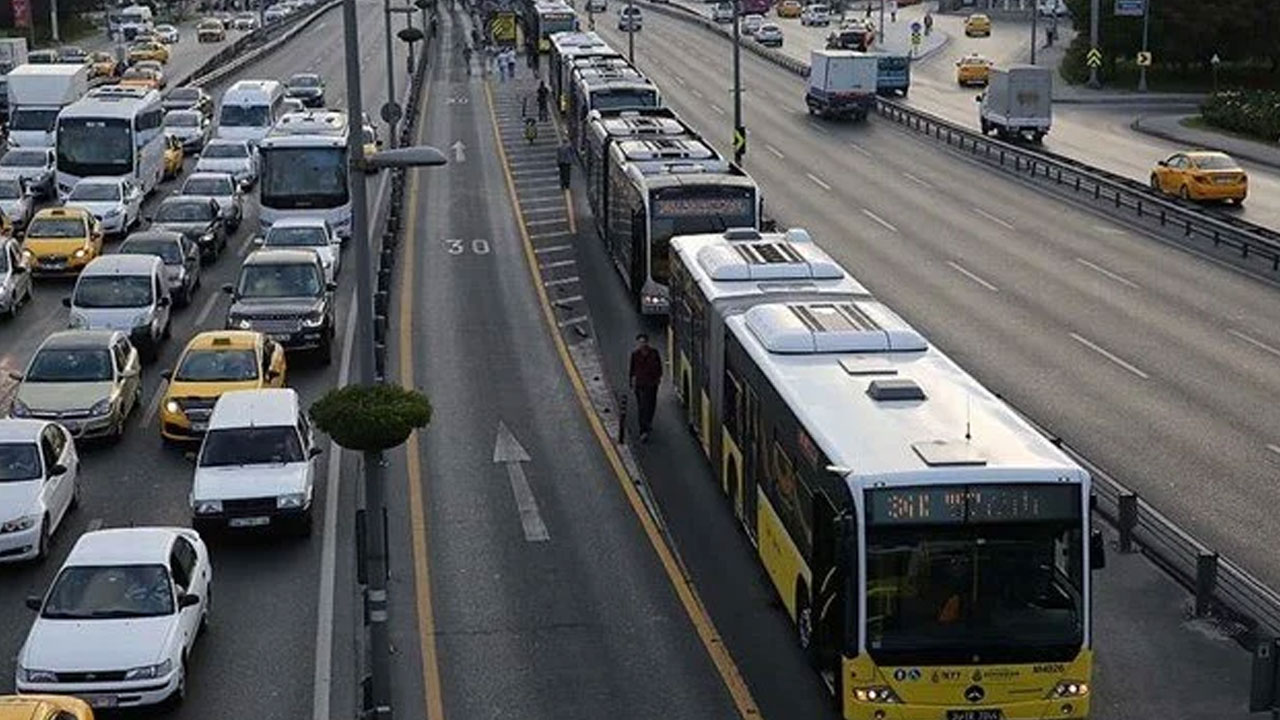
(431,688)
(682,585)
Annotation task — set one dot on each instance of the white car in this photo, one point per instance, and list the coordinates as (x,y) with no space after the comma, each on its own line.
(815,15)
(192,127)
(120,621)
(312,233)
(257,461)
(750,24)
(168,34)
(34,166)
(275,13)
(630,19)
(220,187)
(236,157)
(769,35)
(15,278)
(16,201)
(723,13)
(115,201)
(39,484)
(597,6)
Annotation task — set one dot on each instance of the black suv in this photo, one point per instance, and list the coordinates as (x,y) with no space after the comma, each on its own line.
(283,294)
(200,219)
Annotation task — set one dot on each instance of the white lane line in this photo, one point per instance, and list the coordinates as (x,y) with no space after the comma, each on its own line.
(208,307)
(777,153)
(679,80)
(860,149)
(153,407)
(999,221)
(1103,271)
(819,128)
(697,93)
(574,321)
(1274,448)
(972,276)
(566,300)
(1255,342)
(553,221)
(562,281)
(717,109)
(818,181)
(887,225)
(1109,355)
(916,180)
(1108,230)
(551,249)
(544,236)
(558,263)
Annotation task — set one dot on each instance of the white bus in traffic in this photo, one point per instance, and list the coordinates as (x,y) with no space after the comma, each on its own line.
(249,109)
(304,171)
(115,132)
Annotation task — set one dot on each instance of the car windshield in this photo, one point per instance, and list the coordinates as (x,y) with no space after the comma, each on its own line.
(304,81)
(218,366)
(245,116)
(225,150)
(167,250)
(137,73)
(113,291)
(110,591)
(41,119)
(182,119)
(56,228)
(296,237)
(279,280)
(184,211)
(95,192)
(208,186)
(1216,162)
(270,445)
(4,262)
(185,94)
(70,365)
(24,158)
(19,462)
(10,189)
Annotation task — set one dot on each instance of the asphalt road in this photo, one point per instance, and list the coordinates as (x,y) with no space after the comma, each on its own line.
(258,661)
(1154,362)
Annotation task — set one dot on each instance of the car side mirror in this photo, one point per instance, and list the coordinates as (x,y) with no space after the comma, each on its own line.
(1162,163)
(187,600)
(259,240)
(34,602)
(229,289)
(66,302)
(273,374)
(164,302)
(16,376)
(19,269)
(57,469)
(331,286)
(149,217)
(314,452)
(167,374)
(377,143)
(978,98)
(1097,551)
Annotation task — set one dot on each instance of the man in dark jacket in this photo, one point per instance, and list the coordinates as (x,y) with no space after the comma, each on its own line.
(646,374)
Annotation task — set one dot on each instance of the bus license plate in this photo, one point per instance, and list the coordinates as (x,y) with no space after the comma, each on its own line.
(249,522)
(967,714)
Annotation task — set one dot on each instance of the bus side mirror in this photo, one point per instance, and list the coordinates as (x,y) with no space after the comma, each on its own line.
(1097,551)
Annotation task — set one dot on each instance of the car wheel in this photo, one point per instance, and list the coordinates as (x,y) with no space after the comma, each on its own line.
(74,502)
(180,692)
(1184,193)
(206,607)
(326,352)
(42,550)
(1155,182)
(305,525)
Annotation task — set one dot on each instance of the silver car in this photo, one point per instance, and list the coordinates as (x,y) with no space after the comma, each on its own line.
(192,127)
(220,187)
(181,259)
(16,201)
(89,381)
(235,157)
(34,166)
(15,278)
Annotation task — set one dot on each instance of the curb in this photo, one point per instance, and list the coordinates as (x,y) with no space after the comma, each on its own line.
(1249,155)
(1132,100)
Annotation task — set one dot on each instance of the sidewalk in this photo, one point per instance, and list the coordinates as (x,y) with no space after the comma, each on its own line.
(1170,127)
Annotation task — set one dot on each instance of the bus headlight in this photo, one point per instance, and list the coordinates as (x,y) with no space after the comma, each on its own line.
(1068,689)
(880,694)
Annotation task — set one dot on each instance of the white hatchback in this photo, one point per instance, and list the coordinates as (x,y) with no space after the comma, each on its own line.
(39,484)
(118,624)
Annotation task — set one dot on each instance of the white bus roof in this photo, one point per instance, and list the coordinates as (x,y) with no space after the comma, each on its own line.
(666,149)
(569,39)
(59,70)
(256,90)
(884,405)
(112,102)
(742,262)
(325,128)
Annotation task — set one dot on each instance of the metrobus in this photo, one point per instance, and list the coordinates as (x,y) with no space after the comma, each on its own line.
(652,200)
(304,169)
(605,127)
(930,546)
(606,89)
(112,131)
(550,18)
(567,46)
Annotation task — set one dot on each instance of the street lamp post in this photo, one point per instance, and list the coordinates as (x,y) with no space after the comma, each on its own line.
(1094,9)
(1035,14)
(1146,25)
(53,20)
(739,149)
(390,117)
(631,32)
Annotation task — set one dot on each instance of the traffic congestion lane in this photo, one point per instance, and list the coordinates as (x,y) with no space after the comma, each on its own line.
(264,601)
(577,620)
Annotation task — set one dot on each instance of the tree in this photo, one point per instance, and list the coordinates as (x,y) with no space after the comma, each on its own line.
(371,417)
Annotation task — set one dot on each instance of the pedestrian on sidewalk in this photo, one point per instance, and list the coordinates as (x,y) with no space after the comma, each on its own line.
(564,158)
(646,375)
(928,23)
(544,94)
(511,63)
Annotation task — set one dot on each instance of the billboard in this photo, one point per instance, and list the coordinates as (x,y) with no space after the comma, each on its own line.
(1130,8)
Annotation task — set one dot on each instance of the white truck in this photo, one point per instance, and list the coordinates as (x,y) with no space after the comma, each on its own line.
(842,83)
(1018,102)
(127,22)
(37,93)
(13,52)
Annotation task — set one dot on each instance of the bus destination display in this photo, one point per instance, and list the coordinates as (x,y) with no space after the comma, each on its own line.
(966,504)
(704,207)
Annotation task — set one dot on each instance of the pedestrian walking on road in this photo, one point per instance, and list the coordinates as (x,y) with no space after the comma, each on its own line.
(511,63)
(544,94)
(646,375)
(564,159)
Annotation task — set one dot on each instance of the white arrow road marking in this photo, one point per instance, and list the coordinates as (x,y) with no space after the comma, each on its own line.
(508,451)
(459,151)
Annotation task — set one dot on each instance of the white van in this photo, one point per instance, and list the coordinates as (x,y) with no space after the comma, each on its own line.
(248,110)
(128,293)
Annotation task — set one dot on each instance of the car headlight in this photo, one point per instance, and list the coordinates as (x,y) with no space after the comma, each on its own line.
(149,672)
(28,256)
(881,694)
(243,323)
(26,522)
(172,407)
(291,501)
(111,213)
(142,319)
(80,252)
(206,238)
(19,409)
(1067,689)
(312,320)
(77,321)
(102,407)
(32,675)
(207,507)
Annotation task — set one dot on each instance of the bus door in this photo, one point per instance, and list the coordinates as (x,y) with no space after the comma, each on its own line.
(753,448)
(828,564)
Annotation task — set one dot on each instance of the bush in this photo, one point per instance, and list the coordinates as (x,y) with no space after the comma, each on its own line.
(371,417)
(1250,112)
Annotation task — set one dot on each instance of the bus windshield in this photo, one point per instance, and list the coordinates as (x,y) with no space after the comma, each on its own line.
(295,178)
(624,98)
(694,210)
(245,116)
(95,146)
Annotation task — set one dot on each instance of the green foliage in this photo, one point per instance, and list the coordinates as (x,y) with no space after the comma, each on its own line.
(1251,112)
(371,417)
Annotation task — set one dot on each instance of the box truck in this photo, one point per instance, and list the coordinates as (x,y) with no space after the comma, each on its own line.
(842,83)
(1018,102)
(37,93)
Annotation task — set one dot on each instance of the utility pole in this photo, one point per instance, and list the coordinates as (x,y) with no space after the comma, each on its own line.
(390,118)
(1094,10)
(1035,14)
(739,131)
(631,32)
(1146,26)
(880,30)
(53,20)
(408,23)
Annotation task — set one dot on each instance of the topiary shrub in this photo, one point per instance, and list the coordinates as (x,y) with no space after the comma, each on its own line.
(371,417)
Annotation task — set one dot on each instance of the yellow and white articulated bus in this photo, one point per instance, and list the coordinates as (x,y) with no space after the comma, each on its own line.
(932,548)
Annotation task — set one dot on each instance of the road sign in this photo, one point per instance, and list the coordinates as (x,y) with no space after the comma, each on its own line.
(916,27)
(1144,59)
(503,28)
(1215,59)
(390,112)
(1130,8)
(1094,58)
(740,140)
(915,38)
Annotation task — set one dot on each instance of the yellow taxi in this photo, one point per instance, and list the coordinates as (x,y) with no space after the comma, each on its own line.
(173,156)
(977,24)
(140,77)
(62,240)
(149,51)
(1201,175)
(215,362)
(6,225)
(973,69)
(790,9)
(102,64)
(44,707)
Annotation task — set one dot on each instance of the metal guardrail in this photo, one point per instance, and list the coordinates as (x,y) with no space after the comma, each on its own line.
(1222,588)
(251,47)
